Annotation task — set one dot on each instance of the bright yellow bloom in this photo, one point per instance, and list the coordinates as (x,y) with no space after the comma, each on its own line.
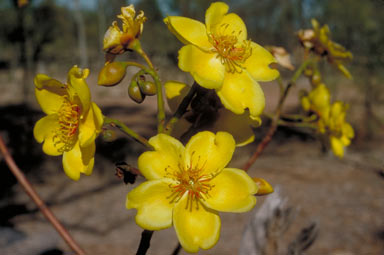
(216,118)
(340,131)
(72,122)
(219,56)
(117,41)
(318,101)
(187,186)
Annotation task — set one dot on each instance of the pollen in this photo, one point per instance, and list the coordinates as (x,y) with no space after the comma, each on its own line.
(231,52)
(192,181)
(66,134)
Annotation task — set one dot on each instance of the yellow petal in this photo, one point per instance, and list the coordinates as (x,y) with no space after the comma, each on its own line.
(320,98)
(337,109)
(168,156)
(79,160)
(209,151)
(49,93)
(232,191)
(175,92)
(231,24)
(215,14)
(154,210)
(337,146)
(305,103)
(258,64)
(206,68)
(347,130)
(112,37)
(195,228)
(239,92)
(90,125)
(79,88)
(188,31)
(44,131)
(239,126)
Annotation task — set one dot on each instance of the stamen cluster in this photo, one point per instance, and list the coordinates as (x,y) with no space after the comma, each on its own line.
(193,181)
(69,114)
(231,53)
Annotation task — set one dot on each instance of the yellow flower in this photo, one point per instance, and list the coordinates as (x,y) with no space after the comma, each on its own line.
(187,186)
(219,56)
(118,41)
(318,101)
(212,118)
(72,122)
(340,131)
(319,41)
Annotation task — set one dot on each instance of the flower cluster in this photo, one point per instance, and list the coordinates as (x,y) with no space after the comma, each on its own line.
(318,40)
(72,123)
(330,118)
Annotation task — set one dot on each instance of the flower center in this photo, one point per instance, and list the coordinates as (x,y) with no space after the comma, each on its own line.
(231,53)
(65,135)
(193,181)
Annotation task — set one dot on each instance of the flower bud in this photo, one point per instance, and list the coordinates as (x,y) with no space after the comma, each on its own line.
(112,74)
(134,92)
(264,187)
(148,88)
(109,135)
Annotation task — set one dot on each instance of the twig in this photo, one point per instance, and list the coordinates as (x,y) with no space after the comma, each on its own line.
(37,200)
(159,87)
(127,131)
(177,249)
(275,121)
(145,241)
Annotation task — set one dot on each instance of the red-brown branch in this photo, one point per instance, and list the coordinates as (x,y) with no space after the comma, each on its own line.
(37,200)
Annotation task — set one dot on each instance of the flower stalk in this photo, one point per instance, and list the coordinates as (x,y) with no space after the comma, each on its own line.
(126,130)
(159,87)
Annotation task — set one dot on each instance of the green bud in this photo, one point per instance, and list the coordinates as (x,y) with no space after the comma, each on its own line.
(148,88)
(112,74)
(109,135)
(134,92)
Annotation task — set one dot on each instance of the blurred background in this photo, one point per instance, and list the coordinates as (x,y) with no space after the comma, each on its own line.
(343,199)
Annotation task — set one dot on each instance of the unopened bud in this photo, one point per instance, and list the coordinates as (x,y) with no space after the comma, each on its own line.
(109,135)
(134,92)
(264,187)
(148,88)
(112,74)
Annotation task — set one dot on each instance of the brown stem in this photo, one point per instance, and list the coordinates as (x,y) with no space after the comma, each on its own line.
(271,130)
(275,120)
(37,200)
